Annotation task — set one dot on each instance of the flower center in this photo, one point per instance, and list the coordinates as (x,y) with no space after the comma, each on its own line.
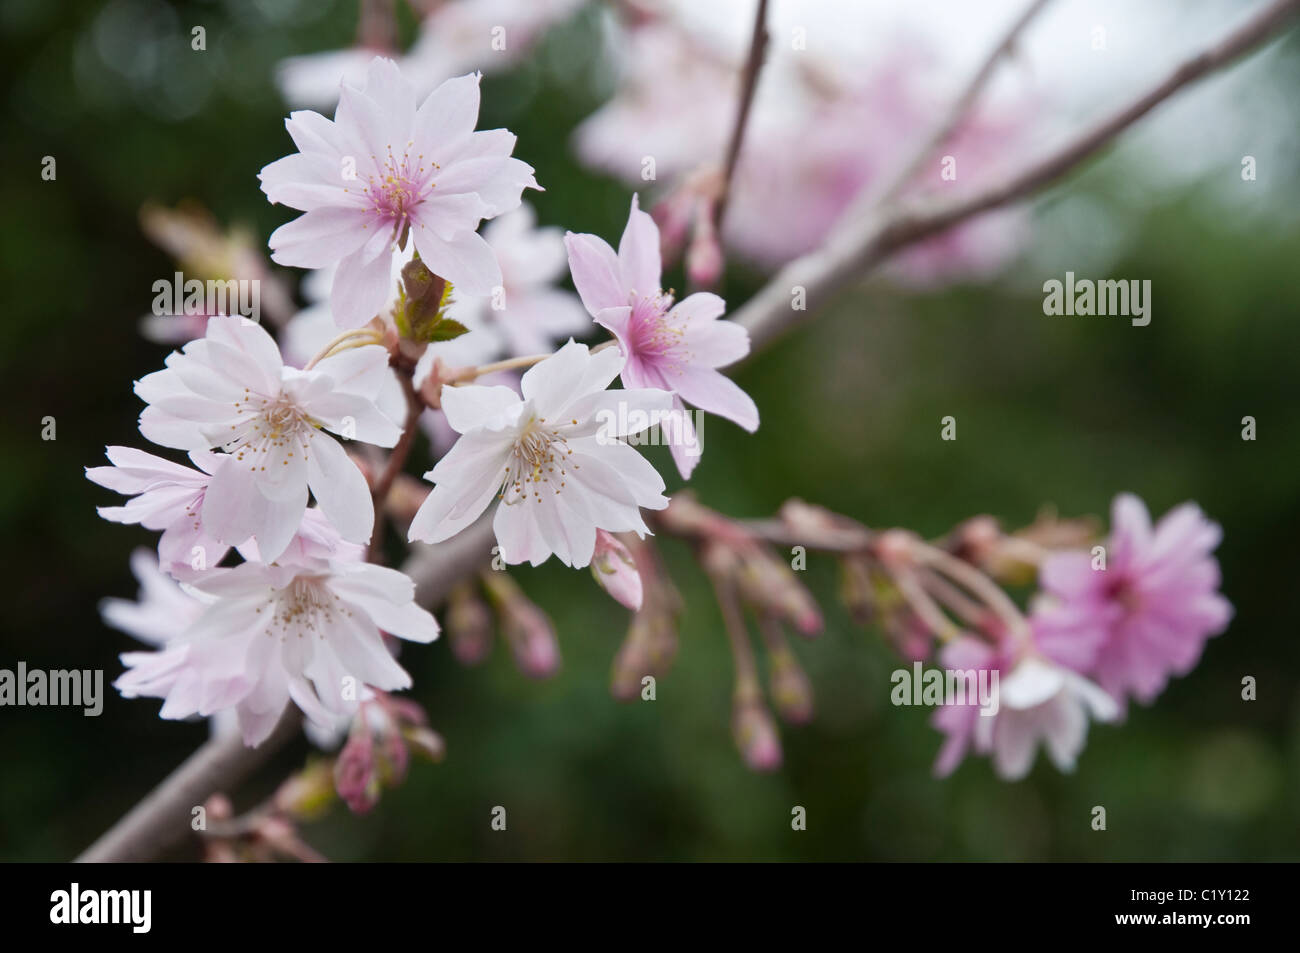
(304,608)
(274,429)
(657,332)
(537,463)
(1122,591)
(401,185)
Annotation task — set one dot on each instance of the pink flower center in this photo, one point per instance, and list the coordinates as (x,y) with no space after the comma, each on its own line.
(400,187)
(657,333)
(1122,592)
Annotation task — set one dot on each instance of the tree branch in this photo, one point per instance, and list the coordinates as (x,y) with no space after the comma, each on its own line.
(748,83)
(946,126)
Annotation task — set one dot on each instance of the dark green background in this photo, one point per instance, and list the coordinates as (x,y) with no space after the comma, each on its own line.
(1067,411)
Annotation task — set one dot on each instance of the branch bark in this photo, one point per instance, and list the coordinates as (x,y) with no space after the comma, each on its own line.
(161,819)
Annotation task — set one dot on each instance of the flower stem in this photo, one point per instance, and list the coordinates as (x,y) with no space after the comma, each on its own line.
(396,461)
(371,337)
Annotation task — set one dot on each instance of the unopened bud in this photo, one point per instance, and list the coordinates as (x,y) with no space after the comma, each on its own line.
(469,624)
(355,778)
(427,743)
(615,570)
(772,586)
(525,626)
(309,793)
(673,216)
(755,733)
(704,260)
(857,589)
(792,692)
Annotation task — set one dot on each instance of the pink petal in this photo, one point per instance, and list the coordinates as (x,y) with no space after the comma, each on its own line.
(596,274)
(638,253)
(711,391)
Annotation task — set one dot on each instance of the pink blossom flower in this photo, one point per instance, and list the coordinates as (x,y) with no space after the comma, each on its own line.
(279,633)
(551,457)
(615,570)
(673,347)
(1148,613)
(384,171)
(1036,701)
(167,497)
(232,390)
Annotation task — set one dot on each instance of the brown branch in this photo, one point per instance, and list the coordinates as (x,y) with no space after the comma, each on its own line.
(161,820)
(396,461)
(748,84)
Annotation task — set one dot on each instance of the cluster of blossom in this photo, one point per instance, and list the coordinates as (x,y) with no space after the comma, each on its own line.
(392,194)
(1109,623)
(404,315)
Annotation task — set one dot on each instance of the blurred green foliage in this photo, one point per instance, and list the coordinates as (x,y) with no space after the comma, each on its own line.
(1066,411)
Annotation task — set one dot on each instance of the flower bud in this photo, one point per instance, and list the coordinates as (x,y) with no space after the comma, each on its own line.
(469,624)
(792,692)
(704,259)
(771,585)
(754,731)
(615,570)
(355,778)
(532,641)
(857,589)
(427,743)
(309,793)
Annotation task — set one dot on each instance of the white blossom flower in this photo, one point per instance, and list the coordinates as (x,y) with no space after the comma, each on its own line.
(383,173)
(232,390)
(307,633)
(550,459)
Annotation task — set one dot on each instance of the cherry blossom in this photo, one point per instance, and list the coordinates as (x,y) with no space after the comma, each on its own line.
(310,634)
(674,347)
(384,172)
(1145,614)
(615,570)
(232,390)
(1037,701)
(550,457)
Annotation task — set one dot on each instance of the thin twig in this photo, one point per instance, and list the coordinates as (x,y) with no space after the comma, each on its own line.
(952,118)
(396,461)
(748,84)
